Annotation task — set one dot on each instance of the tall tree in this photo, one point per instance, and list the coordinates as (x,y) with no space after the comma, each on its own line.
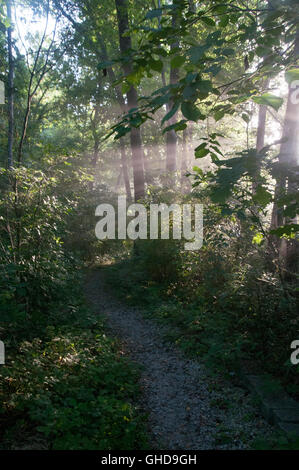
(41,66)
(125,45)
(123,108)
(10,87)
(171,137)
(286,184)
(261,130)
(90,12)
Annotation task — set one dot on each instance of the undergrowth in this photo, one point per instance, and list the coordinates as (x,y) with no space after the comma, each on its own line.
(222,306)
(66,385)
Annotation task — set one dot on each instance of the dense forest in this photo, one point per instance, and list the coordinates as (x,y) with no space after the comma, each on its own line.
(135,342)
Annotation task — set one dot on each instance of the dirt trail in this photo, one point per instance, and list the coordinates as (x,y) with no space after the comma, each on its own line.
(187,409)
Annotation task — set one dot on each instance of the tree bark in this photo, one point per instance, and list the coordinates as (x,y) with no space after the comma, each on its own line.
(125,169)
(103,56)
(135,136)
(123,107)
(94,120)
(184,157)
(260,137)
(10,88)
(261,130)
(171,137)
(286,184)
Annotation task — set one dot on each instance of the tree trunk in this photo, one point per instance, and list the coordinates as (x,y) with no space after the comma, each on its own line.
(123,107)
(10,88)
(135,136)
(286,184)
(184,158)
(96,140)
(24,128)
(260,137)
(171,137)
(261,130)
(125,169)
(103,56)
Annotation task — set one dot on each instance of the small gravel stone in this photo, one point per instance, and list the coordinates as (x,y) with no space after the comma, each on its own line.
(183,411)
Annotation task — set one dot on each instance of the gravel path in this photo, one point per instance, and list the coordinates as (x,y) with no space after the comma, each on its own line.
(187,408)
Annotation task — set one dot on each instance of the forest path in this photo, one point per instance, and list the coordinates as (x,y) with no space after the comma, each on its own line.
(187,408)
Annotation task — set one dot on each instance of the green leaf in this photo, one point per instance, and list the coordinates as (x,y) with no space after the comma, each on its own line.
(208,21)
(121,131)
(220,194)
(224,21)
(262,196)
(201,88)
(262,51)
(228,52)
(201,146)
(177,61)
(134,77)
(125,87)
(191,112)
(156,65)
(258,238)
(269,100)
(204,87)
(216,149)
(234,18)
(105,64)
(214,69)
(292,75)
(154,13)
(178,126)
(221,9)
(286,230)
(170,113)
(189,91)
(201,153)
(198,170)
(196,53)
(160,51)
(219,115)
(245,117)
